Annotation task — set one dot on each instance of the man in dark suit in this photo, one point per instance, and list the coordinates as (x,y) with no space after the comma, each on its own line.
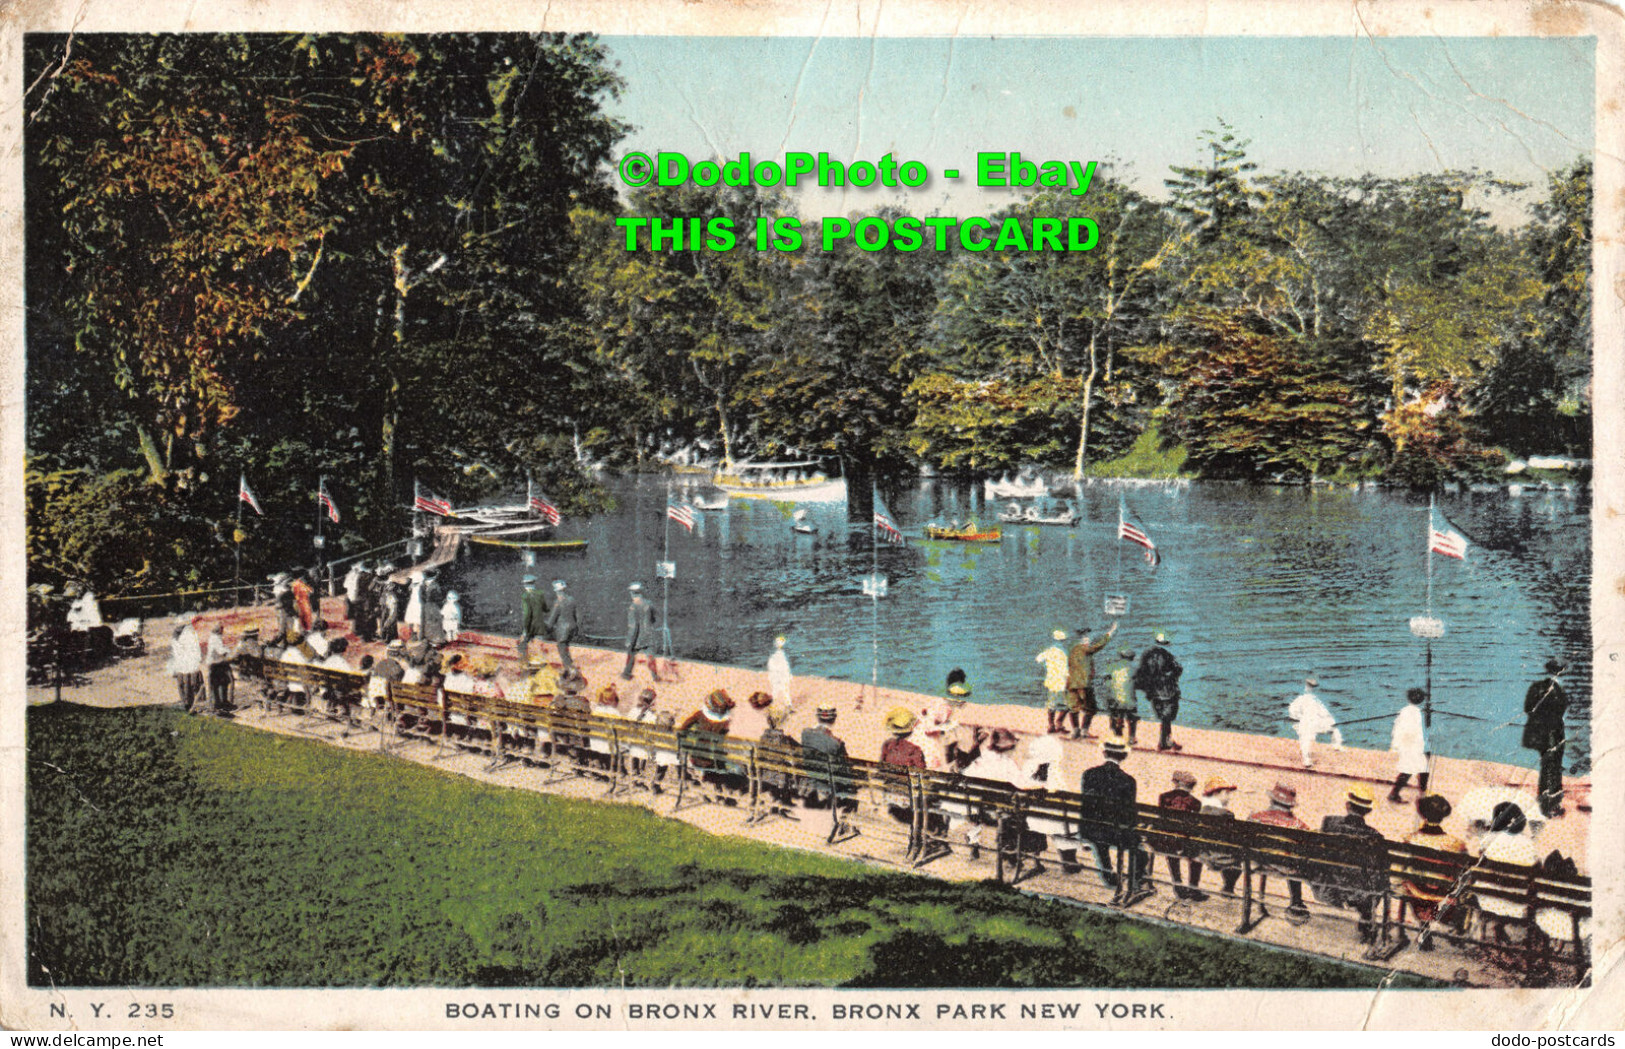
(533,618)
(1545,703)
(562,622)
(1157,677)
(1108,820)
(640,633)
(1358,887)
(824,755)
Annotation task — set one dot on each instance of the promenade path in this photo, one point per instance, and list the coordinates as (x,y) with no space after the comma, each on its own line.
(1254,763)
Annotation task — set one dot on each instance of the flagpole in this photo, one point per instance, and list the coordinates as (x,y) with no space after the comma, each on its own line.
(874,597)
(237,540)
(665,581)
(1430,556)
(1119,544)
(321,512)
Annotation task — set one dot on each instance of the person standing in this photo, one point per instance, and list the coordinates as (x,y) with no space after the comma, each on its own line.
(282,598)
(304,598)
(1312,718)
(563,622)
(640,632)
(364,606)
(451,616)
(778,674)
(1410,745)
(1545,704)
(533,618)
(391,600)
(1080,681)
(217,669)
(1158,677)
(1122,705)
(186,663)
(1055,680)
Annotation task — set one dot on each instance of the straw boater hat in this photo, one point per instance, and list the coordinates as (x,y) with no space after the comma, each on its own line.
(1184,779)
(1114,746)
(1311,681)
(760,700)
(1059,635)
(1284,795)
(1215,784)
(826,710)
(529,580)
(1161,638)
(635,588)
(900,721)
(607,696)
(1003,739)
(558,585)
(718,703)
(1362,798)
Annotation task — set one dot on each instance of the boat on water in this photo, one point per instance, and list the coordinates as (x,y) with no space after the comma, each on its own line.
(1015,513)
(795,481)
(562,546)
(1026,486)
(713,503)
(971,533)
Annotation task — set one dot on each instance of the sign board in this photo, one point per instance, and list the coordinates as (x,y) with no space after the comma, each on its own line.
(530,559)
(1116,604)
(1427,626)
(665,569)
(873,585)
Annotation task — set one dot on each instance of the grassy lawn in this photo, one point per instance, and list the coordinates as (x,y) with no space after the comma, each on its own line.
(166,850)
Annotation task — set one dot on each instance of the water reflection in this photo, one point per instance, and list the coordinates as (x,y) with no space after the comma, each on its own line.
(1258,586)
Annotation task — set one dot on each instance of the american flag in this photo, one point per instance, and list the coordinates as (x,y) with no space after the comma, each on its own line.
(327,502)
(1448,542)
(549,512)
(246,494)
(1127,529)
(885,527)
(682,513)
(423,499)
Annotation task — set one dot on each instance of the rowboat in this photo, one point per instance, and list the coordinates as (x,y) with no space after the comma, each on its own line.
(966,534)
(1031,515)
(560,546)
(787,481)
(1016,488)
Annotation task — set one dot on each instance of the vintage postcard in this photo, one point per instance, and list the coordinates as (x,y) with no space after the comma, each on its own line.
(806,517)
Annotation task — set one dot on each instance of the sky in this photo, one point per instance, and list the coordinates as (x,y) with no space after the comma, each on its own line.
(1518,107)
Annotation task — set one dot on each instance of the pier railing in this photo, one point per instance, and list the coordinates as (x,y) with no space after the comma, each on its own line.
(1527,920)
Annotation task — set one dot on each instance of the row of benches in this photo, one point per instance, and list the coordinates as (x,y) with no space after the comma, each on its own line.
(933,809)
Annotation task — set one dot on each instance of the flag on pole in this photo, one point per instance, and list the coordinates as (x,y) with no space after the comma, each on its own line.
(543,506)
(682,513)
(1127,529)
(1446,541)
(327,502)
(427,501)
(885,527)
(246,494)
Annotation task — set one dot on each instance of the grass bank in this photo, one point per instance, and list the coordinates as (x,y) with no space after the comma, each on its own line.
(166,850)
(1145,458)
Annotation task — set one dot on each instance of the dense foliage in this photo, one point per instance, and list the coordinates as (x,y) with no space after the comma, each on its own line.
(196,853)
(390,259)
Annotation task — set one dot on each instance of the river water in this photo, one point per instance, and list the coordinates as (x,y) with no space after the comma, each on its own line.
(1258,587)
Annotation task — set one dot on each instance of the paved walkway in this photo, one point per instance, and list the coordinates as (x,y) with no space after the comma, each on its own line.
(1253,763)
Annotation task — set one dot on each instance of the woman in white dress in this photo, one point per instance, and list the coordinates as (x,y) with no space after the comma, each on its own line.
(1410,745)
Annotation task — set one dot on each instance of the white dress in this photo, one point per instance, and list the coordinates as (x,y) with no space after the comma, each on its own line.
(778,676)
(1409,742)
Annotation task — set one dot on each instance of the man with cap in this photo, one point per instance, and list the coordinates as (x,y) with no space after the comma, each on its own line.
(1358,886)
(1217,793)
(1180,799)
(1158,677)
(1311,718)
(1283,799)
(217,669)
(1080,680)
(186,662)
(533,612)
(1121,704)
(825,754)
(282,598)
(640,632)
(1109,818)
(1055,679)
(563,622)
(1545,704)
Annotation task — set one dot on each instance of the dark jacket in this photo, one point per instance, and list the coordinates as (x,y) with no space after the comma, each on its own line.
(640,625)
(1370,877)
(533,614)
(1545,703)
(1158,675)
(1108,805)
(824,759)
(562,622)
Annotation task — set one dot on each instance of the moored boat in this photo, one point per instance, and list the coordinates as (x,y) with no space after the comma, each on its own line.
(964,534)
(788,481)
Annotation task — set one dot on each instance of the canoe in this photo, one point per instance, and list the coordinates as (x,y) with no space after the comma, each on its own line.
(562,546)
(964,535)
